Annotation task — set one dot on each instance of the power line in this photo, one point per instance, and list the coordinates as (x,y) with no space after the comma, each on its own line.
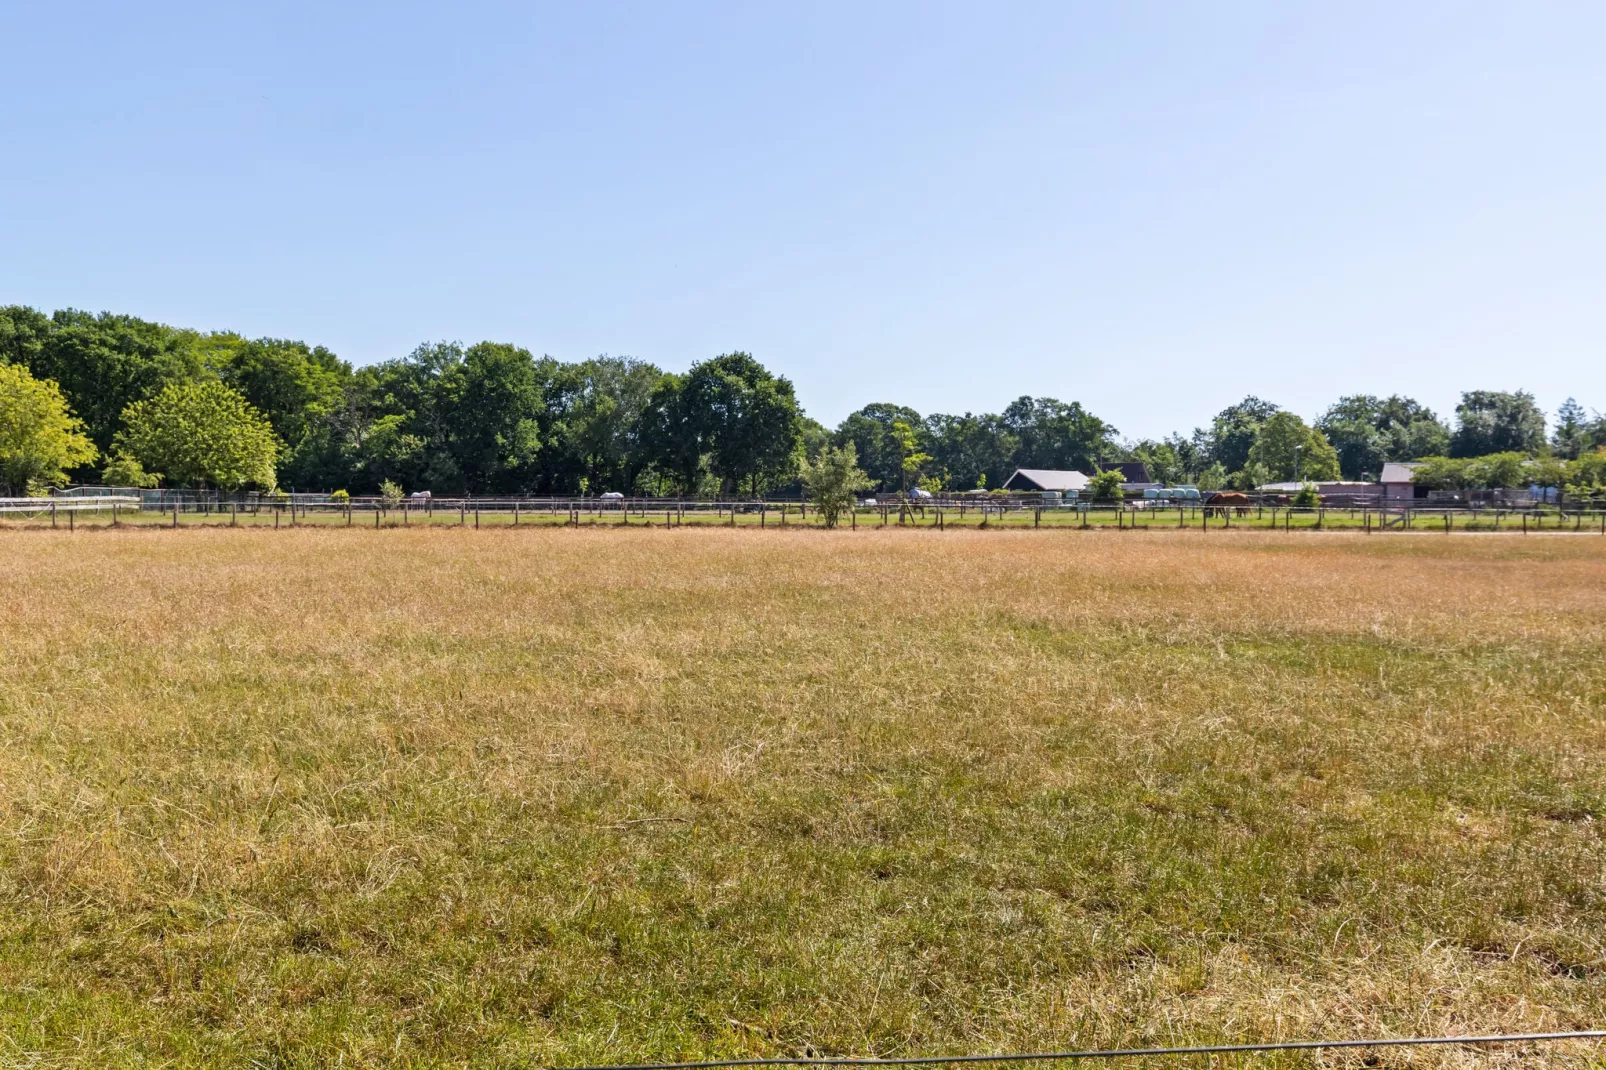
(1109,1053)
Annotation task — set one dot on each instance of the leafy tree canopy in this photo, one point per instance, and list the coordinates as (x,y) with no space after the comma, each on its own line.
(201,434)
(1232,433)
(40,438)
(1368,431)
(1287,449)
(101,362)
(1056,435)
(1489,421)
(747,419)
(876,445)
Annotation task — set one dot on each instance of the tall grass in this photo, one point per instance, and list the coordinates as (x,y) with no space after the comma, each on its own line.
(435,797)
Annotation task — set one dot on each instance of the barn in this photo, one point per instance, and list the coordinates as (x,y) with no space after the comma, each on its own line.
(1047,480)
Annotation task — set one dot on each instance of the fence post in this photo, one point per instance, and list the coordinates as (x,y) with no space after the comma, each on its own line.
(1037,516)
(114,515)
(52,514)
(515,514)
(763,514)
(175,516)
(70,520)
(234,514)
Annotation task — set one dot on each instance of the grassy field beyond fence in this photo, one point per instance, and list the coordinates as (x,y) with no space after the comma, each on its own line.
(322,797)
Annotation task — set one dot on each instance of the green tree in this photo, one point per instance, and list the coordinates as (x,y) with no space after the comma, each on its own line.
(1442,473)
(1106,486)
(745,419)
(1368,431)
(671,439)
(970,451)
(1585,476)
(101,362)
(1577,433)
(593,422)
(870,430)
(1055,435)
(1232,433)
(40,438)
(1250,477)
(124,470)
(491,416)
(912,459)
(1493,471)
(301,389)
(201,433)
(1165,463)
(402,419)
(1488,421)
(1212,477)
(832,480)
(1288,449)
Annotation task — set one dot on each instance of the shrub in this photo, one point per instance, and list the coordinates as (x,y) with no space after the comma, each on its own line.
(832,479)
(1106,486)
(340,496)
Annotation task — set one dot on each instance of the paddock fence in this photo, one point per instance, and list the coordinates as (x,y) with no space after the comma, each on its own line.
(188,508)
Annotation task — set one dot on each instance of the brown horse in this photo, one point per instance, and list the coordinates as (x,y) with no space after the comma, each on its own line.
(1218,503)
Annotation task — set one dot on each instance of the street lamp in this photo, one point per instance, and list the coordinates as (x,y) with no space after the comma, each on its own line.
(1296,463)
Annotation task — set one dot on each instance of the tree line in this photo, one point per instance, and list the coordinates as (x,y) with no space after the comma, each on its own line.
(113,398)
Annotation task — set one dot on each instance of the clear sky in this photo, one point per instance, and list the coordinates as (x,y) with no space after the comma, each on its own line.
(1153,209)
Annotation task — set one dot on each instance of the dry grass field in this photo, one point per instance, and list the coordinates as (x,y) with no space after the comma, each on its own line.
(520,797)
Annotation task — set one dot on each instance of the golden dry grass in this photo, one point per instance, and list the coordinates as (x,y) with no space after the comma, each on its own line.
(330,797)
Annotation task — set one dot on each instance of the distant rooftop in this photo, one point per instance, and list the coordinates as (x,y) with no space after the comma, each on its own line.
(1046,479)
(1398,472)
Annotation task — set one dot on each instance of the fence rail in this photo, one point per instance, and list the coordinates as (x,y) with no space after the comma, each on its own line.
(938,514)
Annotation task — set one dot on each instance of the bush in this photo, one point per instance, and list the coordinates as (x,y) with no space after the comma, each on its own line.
(125,471)
(1307,498)
(832,479)
(391,492)
(340,496)
(1106,486)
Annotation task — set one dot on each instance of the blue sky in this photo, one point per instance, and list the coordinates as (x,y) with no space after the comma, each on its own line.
(1153,209)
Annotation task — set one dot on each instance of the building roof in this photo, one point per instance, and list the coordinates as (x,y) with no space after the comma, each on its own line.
(1294,486)
(1046,479)
(1397,472)
(1131,471)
